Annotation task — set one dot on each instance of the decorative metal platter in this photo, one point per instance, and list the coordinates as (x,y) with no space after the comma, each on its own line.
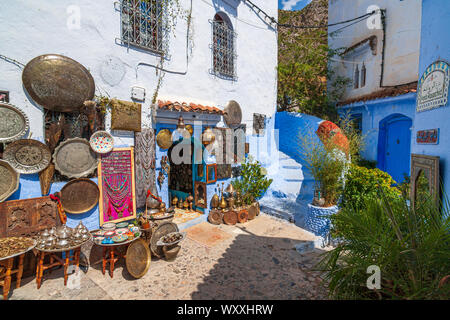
(233,114)
(162,230)
(162,243)
(58,83)
(14,122)
(74,158)
(21,252)
(164,139)
(138,258)
(27,156)
(102,142)
(119,243)
(79,195)
(9,180)
(68,248)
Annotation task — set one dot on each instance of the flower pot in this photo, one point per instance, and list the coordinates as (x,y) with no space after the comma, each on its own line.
(317,219)
(145,225)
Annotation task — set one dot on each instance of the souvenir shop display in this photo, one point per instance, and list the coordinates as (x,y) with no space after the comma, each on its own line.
(125,115)
(101,142)
(233,114)
(164,139)
(144,159)
(74,158)
(200,194)
(161,230)
(138,258)
(117,186)
(14,123)
(79,195)
(9,182)
(27,156)
(58,83)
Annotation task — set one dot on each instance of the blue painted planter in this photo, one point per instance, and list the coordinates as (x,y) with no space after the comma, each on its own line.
(317,219)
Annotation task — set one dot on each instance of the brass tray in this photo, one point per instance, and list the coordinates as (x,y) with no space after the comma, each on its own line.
(233,114)
(14,123)
(74,158)
(21,252)
(58,83)
(27,156)
(160,231)
(125,115)
(164,139)
(68,248)
(79,195)
(138,258)
(9,180)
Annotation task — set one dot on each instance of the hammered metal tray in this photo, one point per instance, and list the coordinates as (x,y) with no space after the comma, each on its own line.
(162,230)
(233,114)
(21,252)
(27,156)
(138,258)
(14,123)
(58,83)
(9,181)
(164,139)
(79,195)
(65,248)
(74,158)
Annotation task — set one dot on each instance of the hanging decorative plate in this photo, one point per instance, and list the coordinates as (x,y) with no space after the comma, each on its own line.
(233,114)
(58,83)
(138,258)
(162,230)
(79,195)
(14,122)
(102,142)
(27,156)
(164,139)
(125,115)
(74,158)
(9,181)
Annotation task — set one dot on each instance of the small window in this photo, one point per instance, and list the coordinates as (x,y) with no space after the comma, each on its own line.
(356,121)
(363,75)
(223,47)
(356,78)
(142,24)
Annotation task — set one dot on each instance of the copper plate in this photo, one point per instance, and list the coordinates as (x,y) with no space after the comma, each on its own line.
(164,139)
(14,122)
(161,231)
(74,158)
(58,83)
(79,195)
(125,115)
(27,156)
(233,114)
(138,258)
(9,180)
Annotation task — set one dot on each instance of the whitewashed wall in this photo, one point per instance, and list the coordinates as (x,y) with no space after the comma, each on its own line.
(31,28)
(401,48)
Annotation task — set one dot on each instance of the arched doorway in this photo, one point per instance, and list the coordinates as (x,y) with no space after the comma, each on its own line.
(394,146)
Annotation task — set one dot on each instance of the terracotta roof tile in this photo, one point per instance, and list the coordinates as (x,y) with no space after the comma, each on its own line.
(191,107)
(384,93)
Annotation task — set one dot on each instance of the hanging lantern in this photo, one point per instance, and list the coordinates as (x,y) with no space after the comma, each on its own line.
(208,136)
(181,130)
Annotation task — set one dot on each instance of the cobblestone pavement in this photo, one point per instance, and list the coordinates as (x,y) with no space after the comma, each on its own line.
(258,261)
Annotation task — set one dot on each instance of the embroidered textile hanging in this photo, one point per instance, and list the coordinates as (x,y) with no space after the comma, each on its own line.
(144,152)
(116,181)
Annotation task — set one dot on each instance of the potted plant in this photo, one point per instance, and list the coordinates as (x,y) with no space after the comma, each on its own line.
(252,184)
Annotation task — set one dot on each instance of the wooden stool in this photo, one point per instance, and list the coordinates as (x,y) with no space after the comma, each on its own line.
(5,279)
(56,261)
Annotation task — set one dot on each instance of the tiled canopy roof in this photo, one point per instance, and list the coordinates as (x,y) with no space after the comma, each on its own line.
(384,93)
(191,107)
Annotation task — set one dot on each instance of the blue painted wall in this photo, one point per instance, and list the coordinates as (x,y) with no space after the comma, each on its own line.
(435,45)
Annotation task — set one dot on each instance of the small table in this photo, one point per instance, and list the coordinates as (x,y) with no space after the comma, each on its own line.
(111,255)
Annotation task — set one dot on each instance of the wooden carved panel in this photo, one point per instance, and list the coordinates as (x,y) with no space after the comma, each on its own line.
(429,165)
(27,217)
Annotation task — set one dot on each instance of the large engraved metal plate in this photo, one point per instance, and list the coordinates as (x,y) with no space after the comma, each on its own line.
(79,195)
(27,156)
(233,114)
(9,180)
(164,139)
(161,231)
(58,83)
(74,158)
(138,258)
(14,122)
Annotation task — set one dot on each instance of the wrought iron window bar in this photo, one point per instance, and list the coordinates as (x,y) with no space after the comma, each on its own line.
(223,49)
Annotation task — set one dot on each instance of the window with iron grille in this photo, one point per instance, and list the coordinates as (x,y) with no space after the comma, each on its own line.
(223,48)
(142,24)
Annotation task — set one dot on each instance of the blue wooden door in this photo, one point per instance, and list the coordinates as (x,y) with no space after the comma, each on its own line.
(398,148)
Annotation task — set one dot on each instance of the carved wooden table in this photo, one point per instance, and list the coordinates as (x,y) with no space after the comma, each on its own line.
(6,270)
(70,259)
(111,254)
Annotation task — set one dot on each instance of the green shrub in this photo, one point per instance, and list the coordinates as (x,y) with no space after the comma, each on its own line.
(410,246)
(362,183)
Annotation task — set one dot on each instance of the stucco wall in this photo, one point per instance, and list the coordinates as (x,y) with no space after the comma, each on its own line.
(435,46)
(32,28)
(401,47)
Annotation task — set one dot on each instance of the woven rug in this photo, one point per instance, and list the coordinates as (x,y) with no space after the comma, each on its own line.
(183,216)
(207,234)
